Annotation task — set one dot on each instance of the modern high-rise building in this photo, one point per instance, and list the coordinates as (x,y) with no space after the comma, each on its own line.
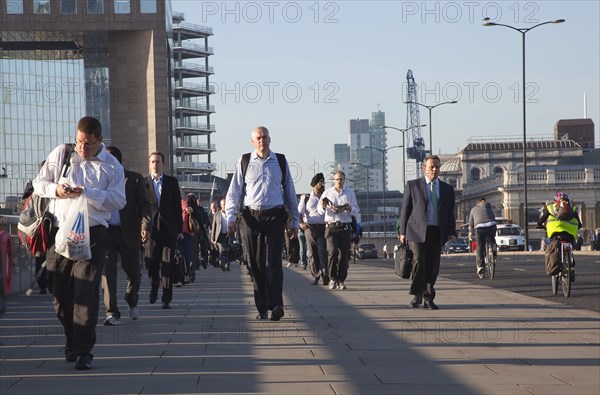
(364,163)
(134,64)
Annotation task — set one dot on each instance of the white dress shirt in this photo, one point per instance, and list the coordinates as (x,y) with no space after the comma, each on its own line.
(102,178)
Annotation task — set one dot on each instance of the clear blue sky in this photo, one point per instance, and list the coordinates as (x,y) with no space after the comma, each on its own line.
(305,68)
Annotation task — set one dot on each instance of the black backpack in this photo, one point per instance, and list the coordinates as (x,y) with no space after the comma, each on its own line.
(280,158)
(35,222)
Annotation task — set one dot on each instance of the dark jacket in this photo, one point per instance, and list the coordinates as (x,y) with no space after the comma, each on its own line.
(413,217)
(137,213)
(167,221)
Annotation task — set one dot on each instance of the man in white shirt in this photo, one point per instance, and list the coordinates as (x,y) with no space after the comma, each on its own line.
(338,203)
(314,224)
(100,176)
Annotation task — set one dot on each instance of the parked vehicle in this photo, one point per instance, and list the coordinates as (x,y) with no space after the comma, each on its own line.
(510,238)
(366,250)
(457,246)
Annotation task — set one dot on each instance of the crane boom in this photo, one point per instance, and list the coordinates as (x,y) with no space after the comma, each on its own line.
(416,146)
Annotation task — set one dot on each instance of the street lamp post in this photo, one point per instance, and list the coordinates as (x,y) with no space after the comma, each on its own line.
(383,152)
(368,208)
(403,131)
(523,31)
(430,108)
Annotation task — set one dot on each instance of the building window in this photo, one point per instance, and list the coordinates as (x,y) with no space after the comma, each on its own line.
(95,7)
(68,6)
(122,6)
(475,174)
(148,6)
(41,6)
(14,6)
(498,171)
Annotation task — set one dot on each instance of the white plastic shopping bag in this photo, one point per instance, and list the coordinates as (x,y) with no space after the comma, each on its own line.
(73,236)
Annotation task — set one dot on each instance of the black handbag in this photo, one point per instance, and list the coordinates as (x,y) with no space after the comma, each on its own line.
(403,261)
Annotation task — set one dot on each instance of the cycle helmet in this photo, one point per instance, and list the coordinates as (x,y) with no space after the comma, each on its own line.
(561,196)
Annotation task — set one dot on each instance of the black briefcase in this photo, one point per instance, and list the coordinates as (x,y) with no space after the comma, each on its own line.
(403,260)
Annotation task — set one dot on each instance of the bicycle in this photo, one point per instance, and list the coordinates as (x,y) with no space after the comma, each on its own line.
(565,273)
(489,258)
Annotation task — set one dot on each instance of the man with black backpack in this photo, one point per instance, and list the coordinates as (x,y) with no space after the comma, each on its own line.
(260,187)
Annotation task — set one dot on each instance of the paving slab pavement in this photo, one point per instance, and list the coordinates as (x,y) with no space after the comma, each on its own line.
(363,340)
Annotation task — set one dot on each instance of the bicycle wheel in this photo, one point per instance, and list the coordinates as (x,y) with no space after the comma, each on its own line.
(566,274)
(490,260)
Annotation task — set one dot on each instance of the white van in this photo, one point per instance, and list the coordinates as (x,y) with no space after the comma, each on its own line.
(509,238)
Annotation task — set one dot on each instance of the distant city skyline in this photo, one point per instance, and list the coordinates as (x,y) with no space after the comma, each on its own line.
(303,69)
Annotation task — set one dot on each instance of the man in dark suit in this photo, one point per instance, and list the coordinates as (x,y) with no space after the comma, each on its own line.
(127,229)
(167,228)
(427,222)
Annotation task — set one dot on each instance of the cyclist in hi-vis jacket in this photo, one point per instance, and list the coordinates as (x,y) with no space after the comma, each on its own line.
(562,219)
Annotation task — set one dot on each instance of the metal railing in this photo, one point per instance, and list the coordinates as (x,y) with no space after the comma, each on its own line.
(195,67)
(194,47)
(193,27)
(208,166)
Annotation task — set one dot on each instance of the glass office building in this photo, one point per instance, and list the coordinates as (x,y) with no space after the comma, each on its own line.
(112,59)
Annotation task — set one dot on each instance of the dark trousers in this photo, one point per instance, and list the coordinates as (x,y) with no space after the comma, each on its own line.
(480,235)
(191,250)
(130,262)
(223,247)
(426,264)
(317,244)
(338,251)
(303,251)
(292,247)
(263,236)
(161,268)
(77,283)
(42,275)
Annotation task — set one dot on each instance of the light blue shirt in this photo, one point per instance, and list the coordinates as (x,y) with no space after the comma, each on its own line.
(263,188)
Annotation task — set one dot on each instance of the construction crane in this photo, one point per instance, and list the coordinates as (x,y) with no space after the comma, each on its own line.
(416,146)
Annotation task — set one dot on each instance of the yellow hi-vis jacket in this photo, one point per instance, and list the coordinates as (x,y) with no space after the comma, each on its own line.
(554,225)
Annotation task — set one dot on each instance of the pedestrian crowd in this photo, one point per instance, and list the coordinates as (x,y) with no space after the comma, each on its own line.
(146,222)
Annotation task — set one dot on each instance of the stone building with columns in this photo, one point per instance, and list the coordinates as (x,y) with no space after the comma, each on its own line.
(493,169)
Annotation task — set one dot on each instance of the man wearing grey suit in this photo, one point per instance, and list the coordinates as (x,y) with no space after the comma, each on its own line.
(219,237)
(127,229)
(427,222)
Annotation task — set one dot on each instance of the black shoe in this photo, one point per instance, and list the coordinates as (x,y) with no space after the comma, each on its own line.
(166,305)
(277,313)
(153,295)
(416,302)
(84,362)
(325,280)
(262,316)
(43,291)
(70,357)
(314,281)
(430,306)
